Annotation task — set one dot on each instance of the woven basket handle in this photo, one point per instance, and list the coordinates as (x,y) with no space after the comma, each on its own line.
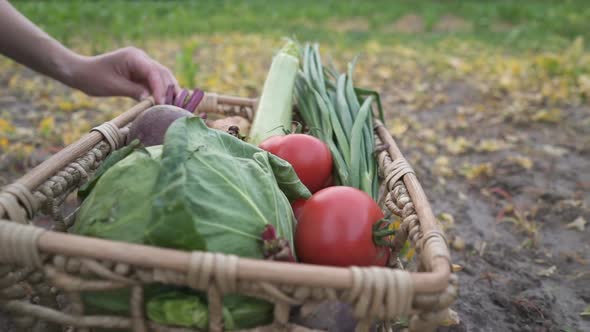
(112,133)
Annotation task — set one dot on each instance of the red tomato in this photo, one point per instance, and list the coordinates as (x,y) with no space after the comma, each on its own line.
(298,207)
(309,156)
(336,228)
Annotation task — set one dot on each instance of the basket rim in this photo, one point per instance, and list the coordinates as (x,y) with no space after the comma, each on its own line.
(51,242)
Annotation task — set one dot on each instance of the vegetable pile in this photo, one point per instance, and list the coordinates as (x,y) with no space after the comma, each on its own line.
(185,183)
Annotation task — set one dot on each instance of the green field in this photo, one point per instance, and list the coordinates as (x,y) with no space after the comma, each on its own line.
(517,25)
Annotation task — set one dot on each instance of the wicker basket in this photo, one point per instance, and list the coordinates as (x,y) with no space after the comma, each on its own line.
(41,267)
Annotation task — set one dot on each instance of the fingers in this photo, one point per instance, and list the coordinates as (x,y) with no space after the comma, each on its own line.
(156,85)
(131,89)
(155,77)
(168,80)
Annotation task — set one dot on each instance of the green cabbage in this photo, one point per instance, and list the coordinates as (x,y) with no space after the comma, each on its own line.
(202,190)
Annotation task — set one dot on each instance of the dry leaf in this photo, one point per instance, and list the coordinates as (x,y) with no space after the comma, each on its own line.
(430,149)
(446,219)
(552,116)
(4,143)
(578,224)
(473,172)
(462,196)
(410,254)
(46,126)
(6,126)
(65,105)
(428,135)
(586,312)
(451,319)
(224,124)
(548,271)
(491,145)
(554,151)
(398,128)
(482,248)
(523,162)
(457,268)
(441,165)
(458,243)
(458,145)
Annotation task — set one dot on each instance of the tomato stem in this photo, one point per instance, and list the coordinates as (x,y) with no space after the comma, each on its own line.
(381,232)
(384,233)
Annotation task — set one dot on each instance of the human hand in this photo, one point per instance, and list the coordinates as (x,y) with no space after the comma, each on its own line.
(128,72)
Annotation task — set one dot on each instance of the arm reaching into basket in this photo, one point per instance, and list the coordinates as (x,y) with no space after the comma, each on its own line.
(128,72)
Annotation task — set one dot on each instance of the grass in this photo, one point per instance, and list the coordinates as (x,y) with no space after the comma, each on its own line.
(514,25)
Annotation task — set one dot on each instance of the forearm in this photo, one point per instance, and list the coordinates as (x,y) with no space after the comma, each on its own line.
(27,44)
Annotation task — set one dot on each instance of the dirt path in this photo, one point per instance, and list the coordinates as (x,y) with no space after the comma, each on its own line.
(531,275)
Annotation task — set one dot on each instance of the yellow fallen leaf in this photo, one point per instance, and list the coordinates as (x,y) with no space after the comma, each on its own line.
(46,126)
(457,145)
(66,105)
(4,143)
(552,116)
(430,149)
(6,126)
(473,172)
(523,162)
(442,166)
(428,135)
(491,145)
(458,244)
(29,86)
(14,81)
(399,128)
(457,268)
(446,219)
(27,149)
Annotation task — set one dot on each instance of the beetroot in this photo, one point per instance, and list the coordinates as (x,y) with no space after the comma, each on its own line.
(150,127)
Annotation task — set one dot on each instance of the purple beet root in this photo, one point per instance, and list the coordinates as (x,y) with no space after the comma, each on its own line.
(150,127)
(328,316)
(275,248)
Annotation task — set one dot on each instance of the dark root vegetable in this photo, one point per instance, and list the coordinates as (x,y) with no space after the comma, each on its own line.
(169,95)
(179,99)
(195,100)
(275,248)
(150,127)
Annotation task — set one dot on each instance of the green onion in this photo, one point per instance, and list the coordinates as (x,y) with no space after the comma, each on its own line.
(330,105)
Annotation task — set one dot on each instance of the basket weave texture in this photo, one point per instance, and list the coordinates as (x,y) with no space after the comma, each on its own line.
(38,267)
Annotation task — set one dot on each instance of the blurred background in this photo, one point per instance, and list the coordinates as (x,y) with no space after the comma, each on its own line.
(489,101)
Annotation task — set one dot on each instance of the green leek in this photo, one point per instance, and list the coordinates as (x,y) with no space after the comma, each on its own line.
(275,108)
